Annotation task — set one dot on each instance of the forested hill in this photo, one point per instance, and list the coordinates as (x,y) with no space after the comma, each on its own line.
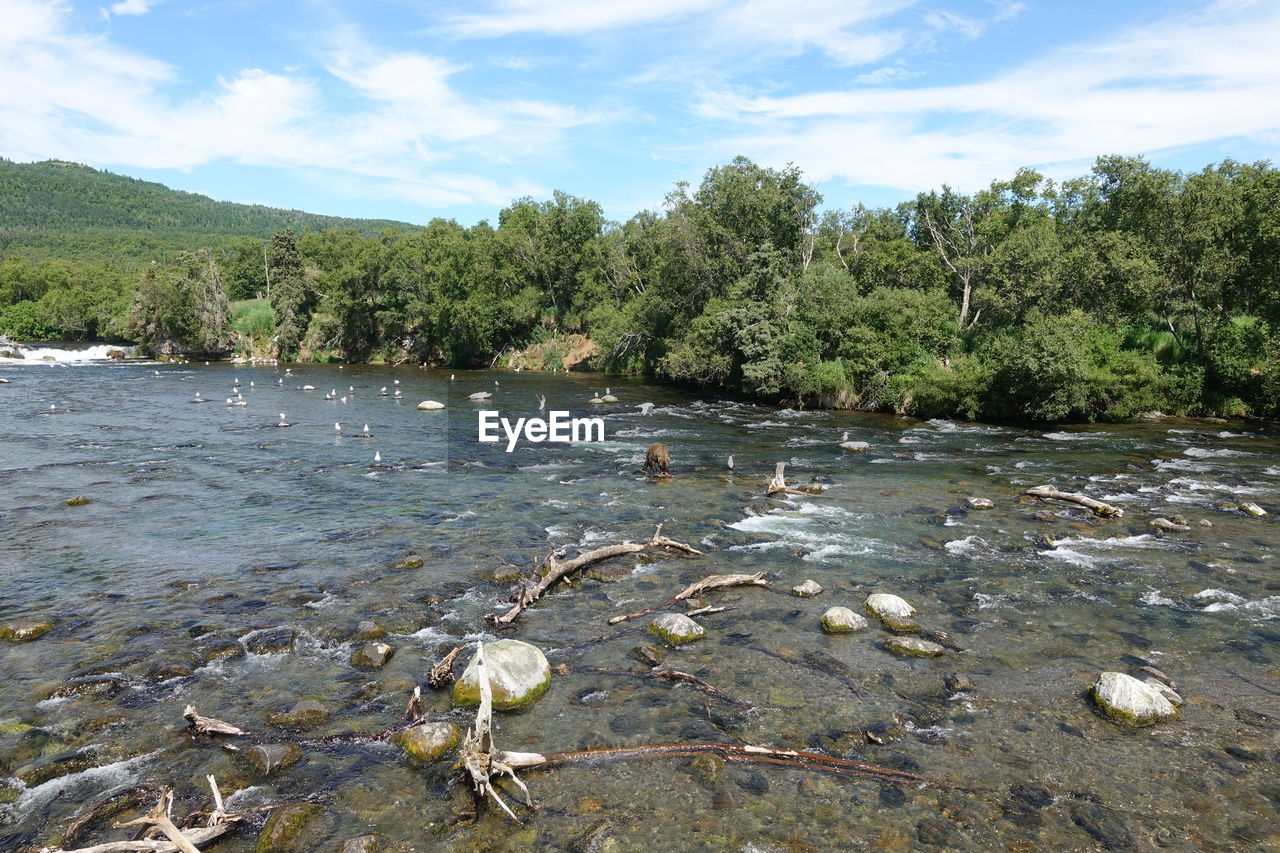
(68,209)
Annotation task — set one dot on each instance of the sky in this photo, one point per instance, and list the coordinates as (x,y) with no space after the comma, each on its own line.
(412,110)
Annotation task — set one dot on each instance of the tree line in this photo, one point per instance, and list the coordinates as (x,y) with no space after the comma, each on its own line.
(1129,289)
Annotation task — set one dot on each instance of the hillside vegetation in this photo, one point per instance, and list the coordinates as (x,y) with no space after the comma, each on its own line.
(1128,289)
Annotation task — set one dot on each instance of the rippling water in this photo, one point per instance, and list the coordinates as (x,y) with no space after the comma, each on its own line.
(209,524)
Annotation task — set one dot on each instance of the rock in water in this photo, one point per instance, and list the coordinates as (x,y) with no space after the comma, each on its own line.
(430,405)
(883,605)
(22,631)
(981,503)
(428,741)
(372,655)
(362,844)
(608,398)
(306,714)
(285,828)
(1252,509)
(842,620)
(913,647)
(1125,699)
(855,446)
(518,674)
(267,758)
(806,589)
(676,629)
(480,395)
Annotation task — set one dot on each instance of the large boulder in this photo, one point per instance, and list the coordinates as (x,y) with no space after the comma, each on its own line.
(285,830)
(372,655)
(676,629)
(518,675)
(883,605)
(1127,700)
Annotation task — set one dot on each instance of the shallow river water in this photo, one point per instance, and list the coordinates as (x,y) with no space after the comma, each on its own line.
(208,526)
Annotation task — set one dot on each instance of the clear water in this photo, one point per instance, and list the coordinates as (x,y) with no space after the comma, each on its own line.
(190,502)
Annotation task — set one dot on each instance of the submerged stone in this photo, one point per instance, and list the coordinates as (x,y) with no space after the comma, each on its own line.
(428,741)
(647,654)
(362,844)
(372,655)
(518,675)
(981,503)
(806,589)
(306,714)
(285,828)
(221,648)
(676,629)
(78,500)
(61,765)
(273,641)
(913,647)
(413,561)
(368,630)
(842,620)
(267,758)
(24,630)
(1127,700)
(883,605)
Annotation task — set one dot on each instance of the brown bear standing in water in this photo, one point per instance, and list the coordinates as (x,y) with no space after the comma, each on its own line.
(657,462)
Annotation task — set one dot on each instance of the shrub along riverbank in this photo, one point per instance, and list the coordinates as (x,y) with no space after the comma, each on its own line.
(1130,289)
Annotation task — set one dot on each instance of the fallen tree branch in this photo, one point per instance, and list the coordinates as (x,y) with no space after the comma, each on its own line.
(697,588)
(557,571)
(208,725)
(730,752)
(778,485)
(441,675)
(159,818)
(196,837)
(675,676)
(1105,510)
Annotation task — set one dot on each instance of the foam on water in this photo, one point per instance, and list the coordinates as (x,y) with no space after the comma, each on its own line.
(1213,452)
(56,355)
(103,777)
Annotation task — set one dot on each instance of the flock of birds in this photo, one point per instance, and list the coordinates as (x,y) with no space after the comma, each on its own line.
(237,400)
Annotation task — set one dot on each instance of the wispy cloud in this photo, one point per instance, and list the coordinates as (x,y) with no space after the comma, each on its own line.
(131,7)
(571,17)
(81,97)
(1186,80)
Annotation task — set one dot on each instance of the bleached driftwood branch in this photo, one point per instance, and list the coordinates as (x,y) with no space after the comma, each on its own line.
(557,571)
(1105,510)
(697,588)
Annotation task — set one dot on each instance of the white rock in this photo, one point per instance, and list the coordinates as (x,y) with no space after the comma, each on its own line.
(1252,509)
(1164,690)
(981,503)
(1126,699)
(806,589)
(855,446)
(428,405)
(308,387)
(608,398)
(842,620)
(884,605)
(480,395)
(677,629)
(518,674)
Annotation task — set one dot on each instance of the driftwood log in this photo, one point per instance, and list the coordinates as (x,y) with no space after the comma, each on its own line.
(441,675)
(697,588)
(208,725)
(1105,510)
(777,485)
(556,571)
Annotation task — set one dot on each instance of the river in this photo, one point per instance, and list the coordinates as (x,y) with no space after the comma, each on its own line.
(208,526)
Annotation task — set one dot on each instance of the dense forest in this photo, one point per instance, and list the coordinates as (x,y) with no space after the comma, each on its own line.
(1127,290)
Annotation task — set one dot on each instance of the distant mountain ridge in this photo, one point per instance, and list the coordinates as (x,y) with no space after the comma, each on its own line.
(58,208)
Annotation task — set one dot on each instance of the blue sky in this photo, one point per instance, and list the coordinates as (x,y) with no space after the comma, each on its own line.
(412,110)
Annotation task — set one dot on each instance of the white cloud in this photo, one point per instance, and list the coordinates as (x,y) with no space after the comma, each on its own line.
(572,17)
(1184,81)
(79,97)
(131,7)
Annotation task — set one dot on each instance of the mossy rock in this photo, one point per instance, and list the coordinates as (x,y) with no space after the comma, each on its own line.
(1128,701)
(413,561)
(427,742)
(371,843)
(286,828)
(842,620)
(368,630)
(306,714)
(24,630)
(676,629)
(78,500)
(267,758)
(883,605)
(518,675)
(372,655)
(913,647)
